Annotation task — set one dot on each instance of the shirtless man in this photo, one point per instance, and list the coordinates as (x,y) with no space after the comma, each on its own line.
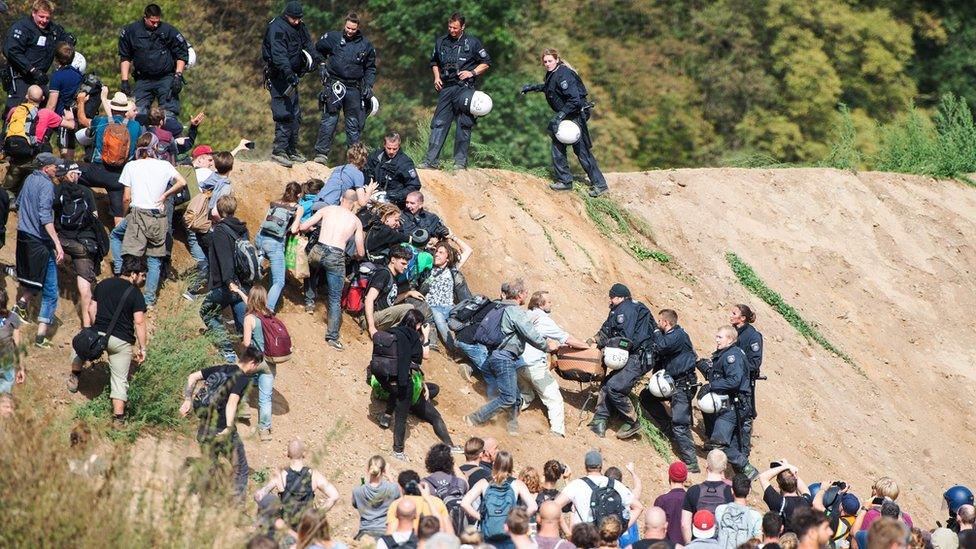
(295,486)
(339,225)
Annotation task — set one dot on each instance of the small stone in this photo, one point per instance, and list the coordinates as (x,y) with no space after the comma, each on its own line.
(685,291)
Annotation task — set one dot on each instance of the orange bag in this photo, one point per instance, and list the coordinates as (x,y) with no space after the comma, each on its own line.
(583,365)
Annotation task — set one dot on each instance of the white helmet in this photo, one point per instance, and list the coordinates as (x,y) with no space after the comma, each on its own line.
(375,106)
(615,358)
(568,132)
(379,196)
(480,103)
(79,62)
(309,63)
(661,384)
(191,57)
(83,138)
(713,403)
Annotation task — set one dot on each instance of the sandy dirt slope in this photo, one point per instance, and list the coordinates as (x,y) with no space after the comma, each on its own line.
(881,263)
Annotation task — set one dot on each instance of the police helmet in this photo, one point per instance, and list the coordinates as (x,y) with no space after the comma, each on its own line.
(374,106)
(661,384)
(568,132)
(83,138)
(615,358)
(79,62)
(814,488)
(379,196)
(191,57)
(957,496)
(477,103)
(713,403)
(309,63)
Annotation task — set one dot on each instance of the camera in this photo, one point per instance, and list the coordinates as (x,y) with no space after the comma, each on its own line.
(412,488)
(839,484)
(91,85)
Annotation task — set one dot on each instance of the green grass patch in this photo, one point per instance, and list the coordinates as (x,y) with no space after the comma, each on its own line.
(843,148)
(156,387)
(642,253)
(748,278)
(651,434)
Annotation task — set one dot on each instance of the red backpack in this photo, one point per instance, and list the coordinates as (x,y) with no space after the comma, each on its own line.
(354,292)
(277,342)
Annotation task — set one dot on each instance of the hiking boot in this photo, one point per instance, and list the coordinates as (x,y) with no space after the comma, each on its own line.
(561,186)
(597,191)
(628,430)
(750,471)
(42,343)
(385,420)
(264,435)
(693,467)
(426,166)
(72,382)
(282,159)
(334,343)
(599,427)
(21,311)
(400,456)
(321,159)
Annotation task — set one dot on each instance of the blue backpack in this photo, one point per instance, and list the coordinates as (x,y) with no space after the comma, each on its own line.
(496,503)
(489,332)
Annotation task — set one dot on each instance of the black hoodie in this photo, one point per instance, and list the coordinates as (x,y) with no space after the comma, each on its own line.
(221,256)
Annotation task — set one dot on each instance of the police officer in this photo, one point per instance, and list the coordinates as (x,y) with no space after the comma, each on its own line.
(729,376)
(676,356)
(632,320)
(751,343)
(156,53)
(457,62)
(348,76)
(392,170)
(29,49)
(566,95)
(287,50)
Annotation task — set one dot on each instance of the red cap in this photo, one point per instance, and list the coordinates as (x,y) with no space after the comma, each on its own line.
(703,524)
(678,472)
(199,150)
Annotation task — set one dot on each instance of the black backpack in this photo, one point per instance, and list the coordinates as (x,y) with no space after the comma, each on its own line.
(298,494)
(710,497)
(466,312)
(451,491)
(74,215)
(383,364)
(605,502)
(489,332)
(410,543)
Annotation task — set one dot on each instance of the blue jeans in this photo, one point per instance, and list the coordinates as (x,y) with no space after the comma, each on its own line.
(210,311)
(478,354)
(502,369)
(274,250)
(332,264)
(440,313)
(154,263)
(49,293)
(7,378)
(265,381)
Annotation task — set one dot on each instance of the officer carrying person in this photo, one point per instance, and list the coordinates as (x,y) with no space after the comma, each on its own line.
(728,389)
(457,62)
(392,170)
(288,55)
(751,343)
(29,49)
(631,320)
(566,95)
(676,357)
(348,76)
(156,54)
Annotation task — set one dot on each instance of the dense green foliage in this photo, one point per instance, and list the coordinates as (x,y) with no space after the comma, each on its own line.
(676,82)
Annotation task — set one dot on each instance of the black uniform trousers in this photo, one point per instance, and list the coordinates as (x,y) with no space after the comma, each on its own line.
(583,150)
(159,88)
(446,113)
(615,392)
(287,116)
(352,105)
(726,433)
(679,421)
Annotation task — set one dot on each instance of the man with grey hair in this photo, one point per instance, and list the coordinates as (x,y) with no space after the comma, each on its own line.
(505,332)
(415,216)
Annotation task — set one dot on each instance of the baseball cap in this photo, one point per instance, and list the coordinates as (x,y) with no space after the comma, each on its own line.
(703,525)
(593,459)
(46,159)
(678,472)
(850,504)
(63,168)
(200,150)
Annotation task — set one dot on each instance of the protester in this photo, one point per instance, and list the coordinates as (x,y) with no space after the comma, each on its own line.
(401,533)
(580,493)
(441,286)
(385,236)
(442,480)
(226,290)
(476,449)
(373,497)
(708,495)
(772,529)
(283,219)
(499,496)
(82,235)
(314,532)
(703,531)
(885,488)
(585,535)
(383,303)
(672,501)
(737,523)
(812,528)
(965,517)
(291,491)
(425,503)
(517,527)
(13,368)
(348,176)
(549,525)
(258,312)
(792,494)
(20,140)
(655,530)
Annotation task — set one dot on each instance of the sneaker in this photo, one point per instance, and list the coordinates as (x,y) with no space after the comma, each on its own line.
(264,435)
(561,186)
(189,296)
(628,430)
(21,311)
(310,308)
(400,456)
(321,159)
(469,421)
(750,471)
(595,192)
(231,358)
(426,166)
(385,420)
(118,423)
(43,343)
(466,371)
(72,382)
(282,159)
(297,158)
(457,449)
(524,406)
(334,343)
(693,467)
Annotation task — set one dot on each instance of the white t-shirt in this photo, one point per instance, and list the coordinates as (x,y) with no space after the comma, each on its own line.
(147,179)
(579,493)
(547,328)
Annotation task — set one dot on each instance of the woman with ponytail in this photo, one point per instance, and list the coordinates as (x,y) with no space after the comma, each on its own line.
(372,498)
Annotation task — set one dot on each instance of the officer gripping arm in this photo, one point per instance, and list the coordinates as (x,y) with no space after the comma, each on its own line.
(673,347)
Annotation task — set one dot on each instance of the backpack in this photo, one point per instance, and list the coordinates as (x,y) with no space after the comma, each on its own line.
(383,364)
(197,214)
(74,213)
(298,494)
(466,312)
(191,189)
(451,491)
(461,290)
(22,121)
(214,387)
(605,502)
(116,143)
(247,266)
(710,497)
(496,503)
(354,293)
(489,332)
(277,342)
(275,223)
(410,543)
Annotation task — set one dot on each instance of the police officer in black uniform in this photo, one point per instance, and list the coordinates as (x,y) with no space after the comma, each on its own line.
(348,76)
(566,95)
(392,170)
(29,49)
(634,321)
(157,54)
(286,44)
(457,62)
(675,355)
(751,343)
(729,376)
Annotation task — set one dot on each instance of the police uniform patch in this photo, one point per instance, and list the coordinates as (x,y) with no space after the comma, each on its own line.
(755,346)
(483,53)
(413,173)
(620,319)
(564,84)
(730,359)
